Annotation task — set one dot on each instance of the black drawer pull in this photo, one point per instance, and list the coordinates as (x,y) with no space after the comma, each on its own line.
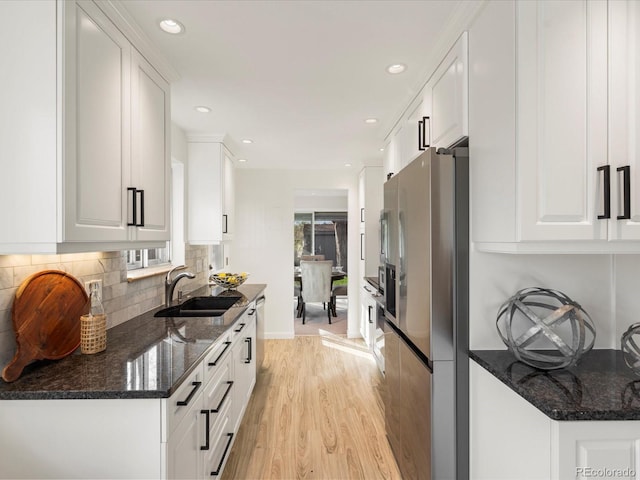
(248,340)
(196,386)
(207,416)
(606,192)
(626,188)
(240,328)
(370,310)
(224,397)
(226,347)
(216,472)
(225,228)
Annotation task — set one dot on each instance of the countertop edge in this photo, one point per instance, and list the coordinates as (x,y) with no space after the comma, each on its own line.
(556,414)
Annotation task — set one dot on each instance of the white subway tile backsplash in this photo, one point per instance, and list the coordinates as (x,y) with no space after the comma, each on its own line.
(122,300)
(6,277)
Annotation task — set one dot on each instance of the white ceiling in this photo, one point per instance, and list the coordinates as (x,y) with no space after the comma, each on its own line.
(297,77)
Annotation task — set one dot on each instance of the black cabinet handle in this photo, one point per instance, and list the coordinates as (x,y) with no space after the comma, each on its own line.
(226,347)
(362,246)
(239,329)
(370,308)
(225,219)
(141,224)
(206,429)
(362,215)
(224,397)
(216,472)
(196,386)
(248,340)
(626,189)
(607,192)
(423,141)
(134,207)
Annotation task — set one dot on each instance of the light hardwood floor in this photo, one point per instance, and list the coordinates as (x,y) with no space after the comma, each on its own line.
(316,412)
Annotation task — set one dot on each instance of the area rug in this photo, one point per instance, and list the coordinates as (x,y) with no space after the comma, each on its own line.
(317,323)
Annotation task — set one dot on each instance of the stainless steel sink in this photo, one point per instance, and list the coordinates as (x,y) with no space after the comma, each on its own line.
(199,307)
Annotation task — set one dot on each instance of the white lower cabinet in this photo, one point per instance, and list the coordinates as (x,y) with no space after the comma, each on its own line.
(510,438)
(197,416)
(244,363)
(186,436)
(367,315)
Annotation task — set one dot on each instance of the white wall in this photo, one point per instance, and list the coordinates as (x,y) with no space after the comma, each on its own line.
(494,277)
(263,243)
(319,203)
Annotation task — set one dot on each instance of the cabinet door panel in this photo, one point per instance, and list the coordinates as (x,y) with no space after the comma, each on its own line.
(624,112)
(96,148)
(150,146)
(449,96)
(561,117)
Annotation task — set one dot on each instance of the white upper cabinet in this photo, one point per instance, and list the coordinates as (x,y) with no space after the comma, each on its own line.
(447,97)
(210,192)
(370,198)
(438,116)
(150,149)
(547,169)
(101,129)
(624,118)
(96,119)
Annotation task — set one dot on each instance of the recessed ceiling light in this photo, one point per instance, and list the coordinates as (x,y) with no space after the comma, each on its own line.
(371,120)
(202,109)
(171,26)
(382,149)
(242,160)
(347,164)
(247,140)
(396,68)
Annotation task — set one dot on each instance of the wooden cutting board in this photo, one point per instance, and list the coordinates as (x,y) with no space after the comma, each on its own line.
(46,319)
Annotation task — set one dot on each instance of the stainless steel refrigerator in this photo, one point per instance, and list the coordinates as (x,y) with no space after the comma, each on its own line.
(426,250)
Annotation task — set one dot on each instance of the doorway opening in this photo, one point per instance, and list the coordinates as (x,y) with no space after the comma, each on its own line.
(320,233)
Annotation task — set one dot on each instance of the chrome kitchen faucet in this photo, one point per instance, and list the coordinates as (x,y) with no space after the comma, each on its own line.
(170,285)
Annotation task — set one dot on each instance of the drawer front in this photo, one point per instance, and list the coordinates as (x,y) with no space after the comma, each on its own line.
(221,441)
(217,357)
(187,397)
(218,393)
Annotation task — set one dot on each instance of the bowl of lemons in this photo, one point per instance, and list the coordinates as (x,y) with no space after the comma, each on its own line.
(227,280)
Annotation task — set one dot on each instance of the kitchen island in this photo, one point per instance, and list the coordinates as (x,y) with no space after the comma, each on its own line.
(578,422)
(163,401)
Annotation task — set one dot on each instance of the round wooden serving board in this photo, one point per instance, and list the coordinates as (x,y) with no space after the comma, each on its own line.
(46,319)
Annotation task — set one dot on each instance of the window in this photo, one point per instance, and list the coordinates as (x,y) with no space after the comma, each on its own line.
(321,233)
(147,257)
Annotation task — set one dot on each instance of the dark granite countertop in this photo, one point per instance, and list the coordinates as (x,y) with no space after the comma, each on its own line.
(146,357)
(600,387)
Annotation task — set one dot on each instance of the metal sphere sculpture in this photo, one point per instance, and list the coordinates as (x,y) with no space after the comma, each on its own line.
(544,328)
(630,348)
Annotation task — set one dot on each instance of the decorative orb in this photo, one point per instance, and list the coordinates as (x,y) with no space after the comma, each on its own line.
(630,348)
(545,329)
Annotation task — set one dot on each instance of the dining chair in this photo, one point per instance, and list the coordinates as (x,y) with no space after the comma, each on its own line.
(316,284)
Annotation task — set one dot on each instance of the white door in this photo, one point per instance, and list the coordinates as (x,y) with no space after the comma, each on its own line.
(184,460)
(624,118)
(561,118)
(150,149)
(96,125)
(228,215)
